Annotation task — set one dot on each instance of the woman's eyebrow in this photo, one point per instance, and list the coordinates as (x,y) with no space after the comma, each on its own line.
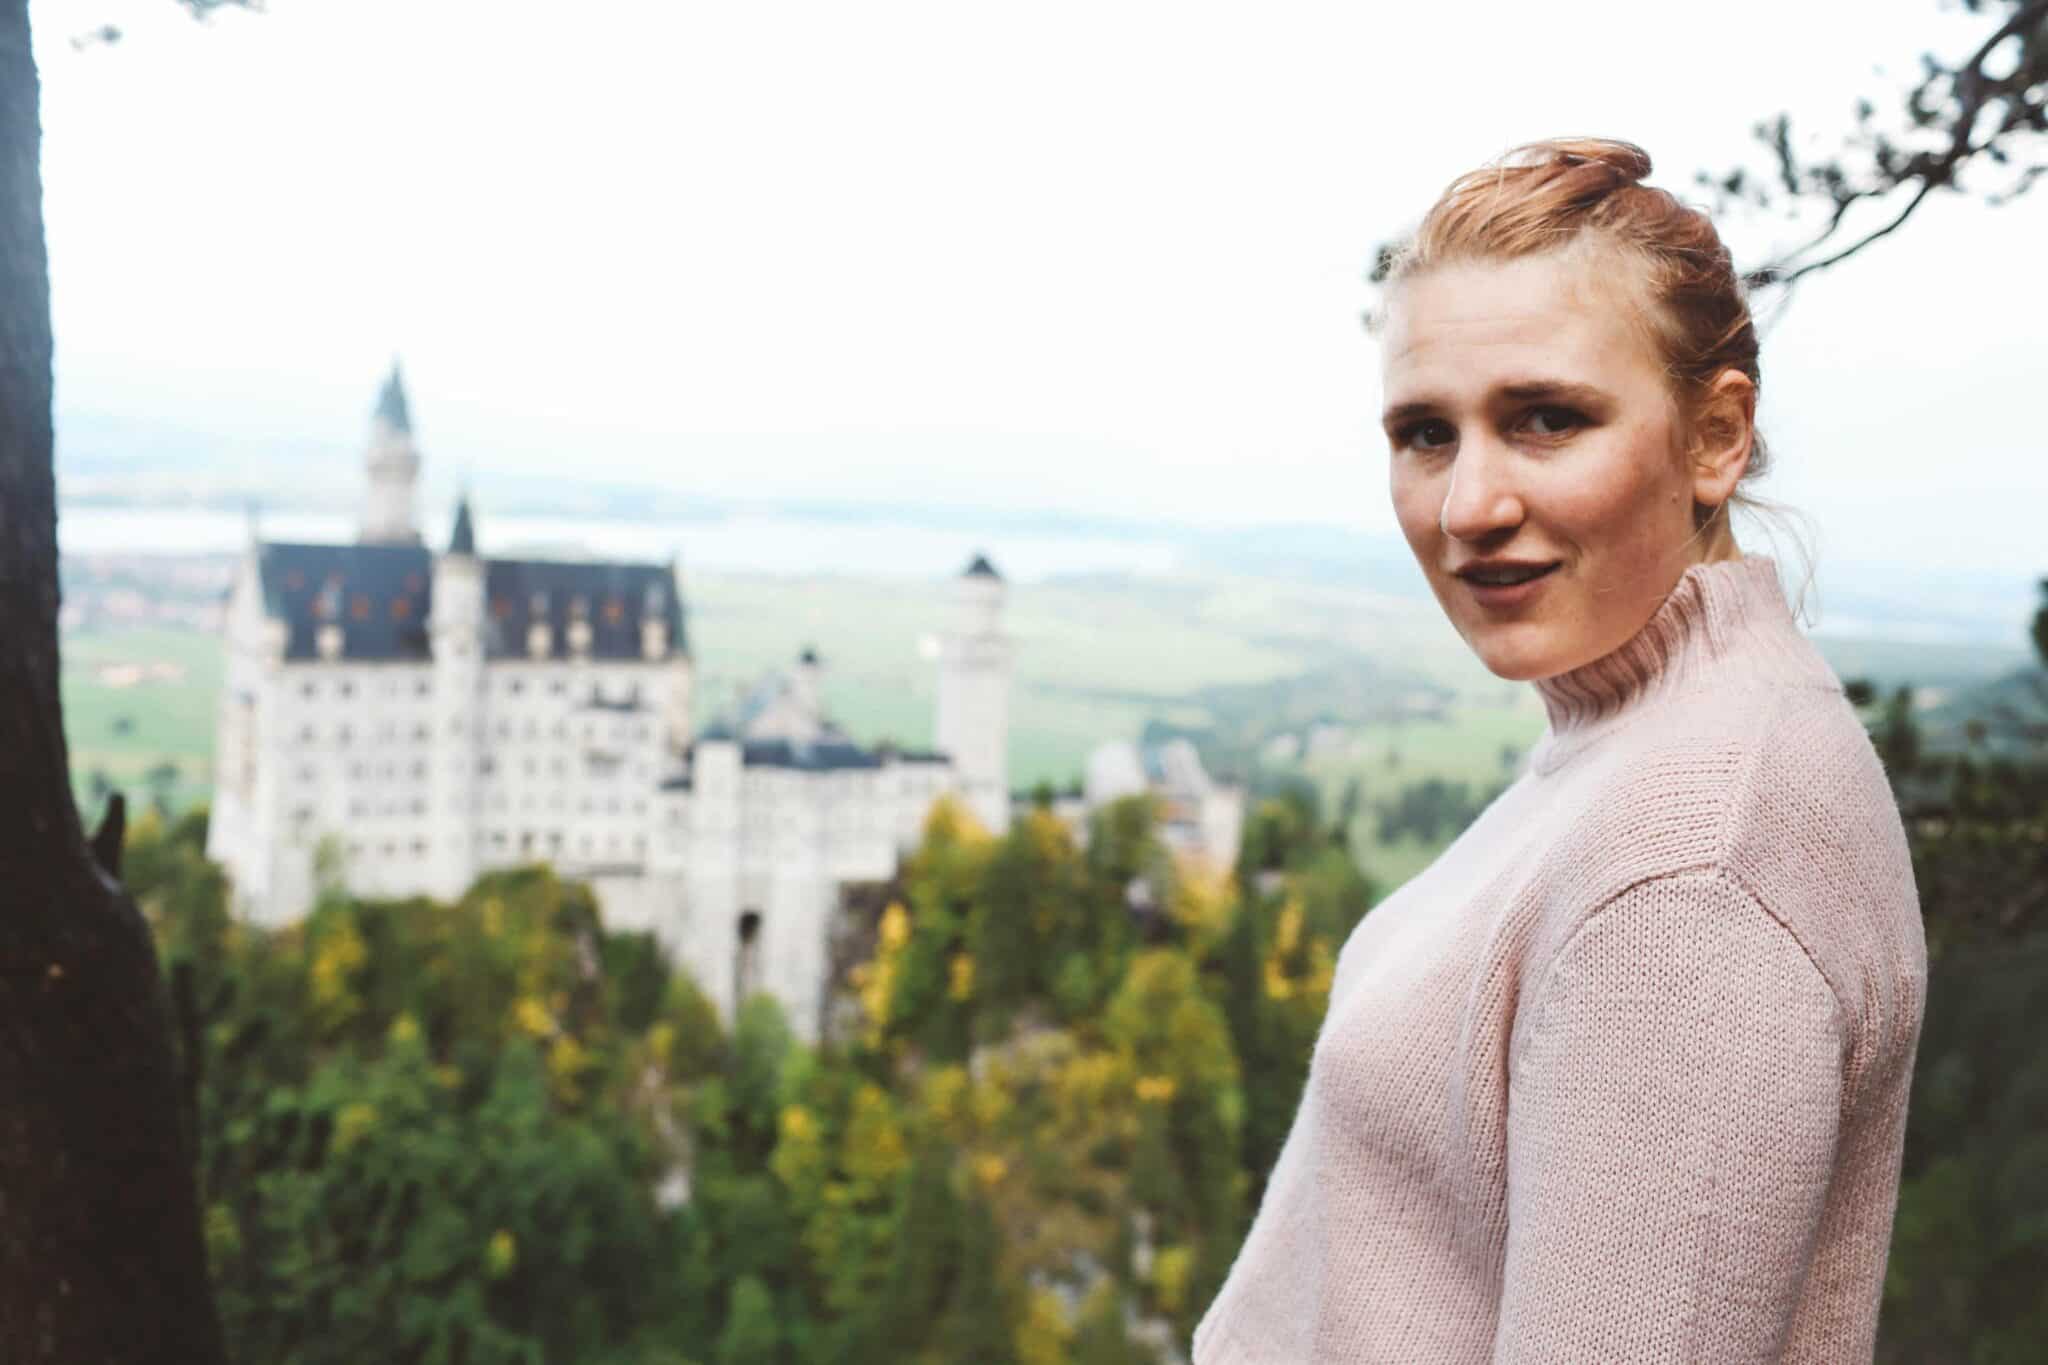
(1520,391)
(1526,390)
(1401,412)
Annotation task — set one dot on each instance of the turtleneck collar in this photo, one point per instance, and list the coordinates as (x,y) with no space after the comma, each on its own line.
(1723,612)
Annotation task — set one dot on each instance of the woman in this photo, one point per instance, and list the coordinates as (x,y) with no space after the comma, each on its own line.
(1622,1076)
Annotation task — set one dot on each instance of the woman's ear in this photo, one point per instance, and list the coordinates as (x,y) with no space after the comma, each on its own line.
(1724,434)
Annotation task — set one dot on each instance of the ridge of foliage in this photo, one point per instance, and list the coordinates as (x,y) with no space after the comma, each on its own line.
(494,1130)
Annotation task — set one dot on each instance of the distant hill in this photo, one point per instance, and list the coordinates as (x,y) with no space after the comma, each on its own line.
(2013,710)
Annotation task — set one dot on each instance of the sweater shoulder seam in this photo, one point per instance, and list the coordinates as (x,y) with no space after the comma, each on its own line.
(1710,870)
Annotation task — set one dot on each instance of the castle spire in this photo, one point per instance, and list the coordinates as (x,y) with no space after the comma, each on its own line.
(462,541)
(391,408)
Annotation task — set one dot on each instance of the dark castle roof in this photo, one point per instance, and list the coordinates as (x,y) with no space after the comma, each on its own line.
(391,408)
(823,755)
(613,597)
(382,596)
(981,568)
(378,593)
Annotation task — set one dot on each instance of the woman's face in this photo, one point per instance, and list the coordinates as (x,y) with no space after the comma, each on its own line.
(1527,419)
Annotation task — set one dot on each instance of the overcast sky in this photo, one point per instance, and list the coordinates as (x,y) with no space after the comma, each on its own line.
(1098,256)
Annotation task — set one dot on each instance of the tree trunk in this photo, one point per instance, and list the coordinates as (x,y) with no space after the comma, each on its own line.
(101,1258)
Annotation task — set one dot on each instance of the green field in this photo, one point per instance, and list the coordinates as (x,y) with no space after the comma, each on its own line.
(122,732)
(1095,658)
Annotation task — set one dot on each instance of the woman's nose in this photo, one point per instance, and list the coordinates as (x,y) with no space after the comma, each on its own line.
(1480,499)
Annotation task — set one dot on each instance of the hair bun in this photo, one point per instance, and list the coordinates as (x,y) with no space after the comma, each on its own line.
(1628,163)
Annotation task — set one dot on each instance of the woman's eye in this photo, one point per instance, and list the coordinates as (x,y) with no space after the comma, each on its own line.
(1431,435)
(1553,421)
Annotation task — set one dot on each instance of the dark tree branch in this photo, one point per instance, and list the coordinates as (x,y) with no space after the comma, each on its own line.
(1963,117)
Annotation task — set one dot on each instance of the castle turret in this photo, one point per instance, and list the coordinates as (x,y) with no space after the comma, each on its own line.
(394,466)
(974,693)
(808,678)
(456,628)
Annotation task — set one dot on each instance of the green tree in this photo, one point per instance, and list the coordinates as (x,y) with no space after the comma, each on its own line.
(752,1335)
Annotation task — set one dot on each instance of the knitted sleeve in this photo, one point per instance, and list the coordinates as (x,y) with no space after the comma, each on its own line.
(1672,1119)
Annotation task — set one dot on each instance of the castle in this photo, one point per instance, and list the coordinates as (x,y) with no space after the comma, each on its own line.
(422,717)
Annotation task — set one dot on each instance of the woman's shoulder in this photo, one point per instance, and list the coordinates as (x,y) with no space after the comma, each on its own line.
(1772,766)
(1782,797)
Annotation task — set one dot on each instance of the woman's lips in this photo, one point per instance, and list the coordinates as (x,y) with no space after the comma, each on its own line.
(1512,594)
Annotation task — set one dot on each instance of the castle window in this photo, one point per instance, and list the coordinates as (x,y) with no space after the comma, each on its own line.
(307,689)
(614,611)
(515,687)
(359,607)
(401,608)
(306,734)
(419,848)
(420,689)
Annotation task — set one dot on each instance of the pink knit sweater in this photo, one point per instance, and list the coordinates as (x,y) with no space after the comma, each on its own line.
(1622,1076)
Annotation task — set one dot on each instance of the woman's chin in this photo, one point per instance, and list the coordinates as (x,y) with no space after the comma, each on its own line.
(1516,660)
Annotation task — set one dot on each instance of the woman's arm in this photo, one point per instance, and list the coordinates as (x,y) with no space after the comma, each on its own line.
(1672,1121)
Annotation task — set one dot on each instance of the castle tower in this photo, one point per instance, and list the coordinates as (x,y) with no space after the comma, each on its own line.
(456,628)
(665,638)
(974,694)
(394,468)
